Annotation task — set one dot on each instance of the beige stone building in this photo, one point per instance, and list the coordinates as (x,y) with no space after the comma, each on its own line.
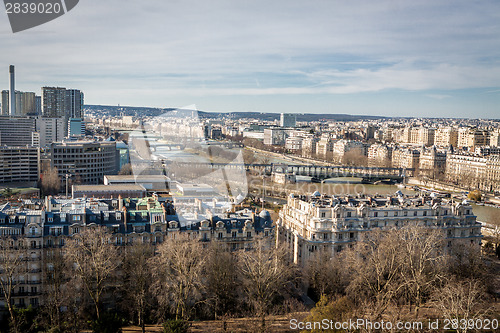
(309,225)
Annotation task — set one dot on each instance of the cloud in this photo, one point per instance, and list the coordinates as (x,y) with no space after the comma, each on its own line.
(259,48)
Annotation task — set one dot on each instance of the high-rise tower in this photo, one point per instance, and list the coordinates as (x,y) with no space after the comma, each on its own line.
(12,95)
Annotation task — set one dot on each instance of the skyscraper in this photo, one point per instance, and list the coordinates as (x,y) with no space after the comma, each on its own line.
(288,120)
(74,103)
(54,102)
(12,105)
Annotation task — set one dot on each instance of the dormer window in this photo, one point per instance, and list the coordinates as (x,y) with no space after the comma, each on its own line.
(118,216)
(77,217)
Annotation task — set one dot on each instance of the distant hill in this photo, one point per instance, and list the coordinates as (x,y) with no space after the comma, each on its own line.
(115,111)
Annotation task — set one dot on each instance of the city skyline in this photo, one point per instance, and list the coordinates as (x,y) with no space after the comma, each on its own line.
(418,59)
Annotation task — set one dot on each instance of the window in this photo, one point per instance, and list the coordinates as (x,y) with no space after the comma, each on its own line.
(34,301)
(249,234)
(33,290)
(325,236)
(220,235)
(234,234)
(76,230)
(375,214)
(405,213)
(340,236)
(425,213)
(266,233)
(386,214)
(76,217)
(349,214)
(33,231)
(118,216)
(2,220)
(395,213)
(323,214)
(351,235)
(415,213)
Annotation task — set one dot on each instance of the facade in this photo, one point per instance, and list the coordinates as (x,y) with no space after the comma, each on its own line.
(294,143)
(74,103)
(341,147)
(470,138)
(54,102)
(379,155)
(76,127)
(108,191)
(50,130)
(16,131)
(474,171)
(432,161)
(24,229)
(19,164)
(86,162)
(309,146)
(309,225)
(152,183)
(406,158)
(274,136)
(446,136)
(288,120)
(324,146)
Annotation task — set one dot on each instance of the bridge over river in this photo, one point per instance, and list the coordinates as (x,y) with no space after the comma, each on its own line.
(316,172)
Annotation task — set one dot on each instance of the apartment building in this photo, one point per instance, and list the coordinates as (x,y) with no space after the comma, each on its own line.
(474,171)
(309,225)
(380,155)
(19,164)
(85,162)
(446,136)
(406,158)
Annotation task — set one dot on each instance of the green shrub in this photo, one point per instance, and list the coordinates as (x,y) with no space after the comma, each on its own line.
(175,326)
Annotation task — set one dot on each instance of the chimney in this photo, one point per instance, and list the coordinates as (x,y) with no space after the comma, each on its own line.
(12,96)
(120,202)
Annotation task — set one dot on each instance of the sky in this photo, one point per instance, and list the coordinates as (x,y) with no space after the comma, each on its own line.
(392,58)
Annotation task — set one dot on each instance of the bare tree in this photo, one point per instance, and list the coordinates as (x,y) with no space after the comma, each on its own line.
(137,280)
(326,275)
(95,260)
(221,277)
(459,302)
(264,273)
(177,274)
(13,264)
(50,182)
(422,261)
(55,278)
(375,267)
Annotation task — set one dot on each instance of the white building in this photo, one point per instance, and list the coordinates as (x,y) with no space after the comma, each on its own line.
(309,225)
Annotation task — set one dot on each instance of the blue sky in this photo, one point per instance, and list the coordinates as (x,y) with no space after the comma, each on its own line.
(394,58)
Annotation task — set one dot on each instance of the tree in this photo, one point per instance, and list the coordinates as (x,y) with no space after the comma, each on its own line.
(375,267)
(13,254)
(50,182)
(137,280)
(126,169)
(460,300)
(95,260)
(338,310)
(422,261)
(474,195)
(221,281)
(326,276)
(55,283)
(177,274)
(264,273)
